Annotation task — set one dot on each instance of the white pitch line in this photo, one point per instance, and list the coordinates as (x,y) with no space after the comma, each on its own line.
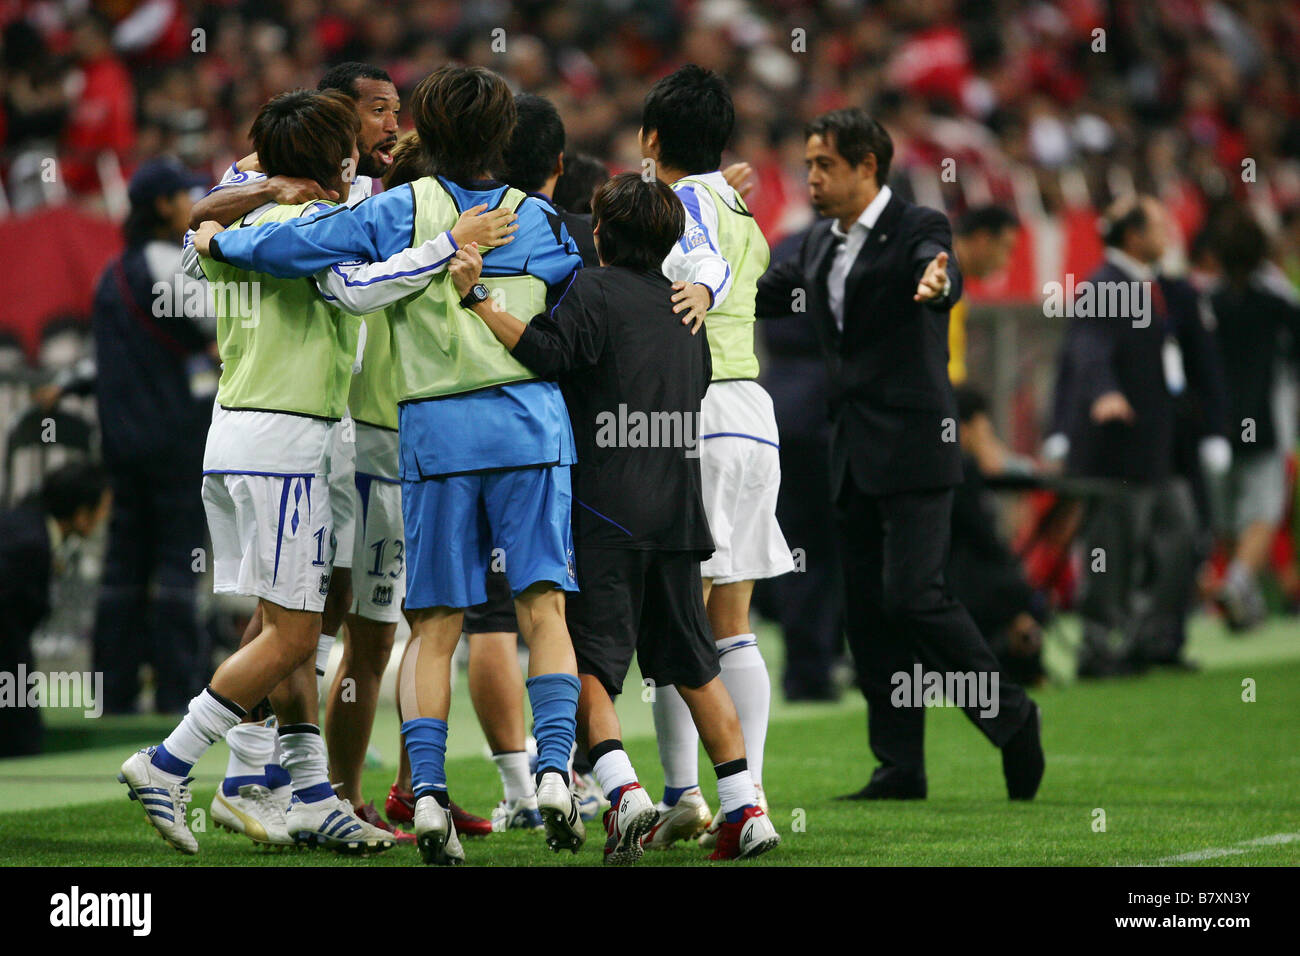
(1213,853)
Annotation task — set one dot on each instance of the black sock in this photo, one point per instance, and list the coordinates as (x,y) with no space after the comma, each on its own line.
(730,767)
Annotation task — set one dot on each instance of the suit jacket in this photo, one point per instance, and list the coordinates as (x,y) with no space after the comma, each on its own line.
(1105,354)
(892,410)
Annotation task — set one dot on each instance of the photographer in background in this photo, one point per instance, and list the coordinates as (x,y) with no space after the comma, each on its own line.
(73,501)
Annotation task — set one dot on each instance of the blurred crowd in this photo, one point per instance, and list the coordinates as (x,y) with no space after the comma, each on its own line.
(1093,98)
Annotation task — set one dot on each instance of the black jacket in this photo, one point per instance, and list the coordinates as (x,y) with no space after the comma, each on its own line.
(1253,328)
(892,409)
(633,378)
(147,412)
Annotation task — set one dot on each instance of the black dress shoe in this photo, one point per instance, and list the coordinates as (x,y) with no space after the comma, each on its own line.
(1022,759)
(890,788)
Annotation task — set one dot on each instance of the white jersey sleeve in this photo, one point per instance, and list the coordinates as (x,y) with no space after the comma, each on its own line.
(696,257)
(360,287)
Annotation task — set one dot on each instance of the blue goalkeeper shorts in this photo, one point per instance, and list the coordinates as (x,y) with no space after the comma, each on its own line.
(457,528)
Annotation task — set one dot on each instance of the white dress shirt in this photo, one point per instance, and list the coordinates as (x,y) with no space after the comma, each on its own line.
(847,251)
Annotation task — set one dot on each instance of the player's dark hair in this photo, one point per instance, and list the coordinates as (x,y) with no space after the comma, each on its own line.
(989,218)
(854,134)
(306,133)
(409,161)
(582,175)
(69,488)
(536,144)
(692,111)
(638,221)
(465,116)
(343,77)
(1241,245)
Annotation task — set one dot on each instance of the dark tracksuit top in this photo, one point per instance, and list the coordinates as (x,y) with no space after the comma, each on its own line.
(633,377)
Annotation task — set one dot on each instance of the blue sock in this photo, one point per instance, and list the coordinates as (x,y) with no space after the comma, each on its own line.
(168,763)
(277,776)
(426,744)
(230,786)
(673,794)
(735,816)
(554,699)
(315,793)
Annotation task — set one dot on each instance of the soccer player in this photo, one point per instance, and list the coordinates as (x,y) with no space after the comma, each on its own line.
(253,755)
(614,341)
(485,446)
(287,360)
(686,121)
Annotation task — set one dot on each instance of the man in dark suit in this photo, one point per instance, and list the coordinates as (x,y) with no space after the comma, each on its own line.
(877,278)
(1130,358)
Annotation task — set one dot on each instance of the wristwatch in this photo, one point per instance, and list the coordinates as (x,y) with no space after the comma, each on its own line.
(478,293)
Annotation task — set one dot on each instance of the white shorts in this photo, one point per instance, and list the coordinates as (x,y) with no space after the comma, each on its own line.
(1253,490)
(740,465)
(341,467)
(271,537)
(379,554)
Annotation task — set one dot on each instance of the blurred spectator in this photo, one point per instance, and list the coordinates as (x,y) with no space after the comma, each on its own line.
(102,122)
(73,502)
(155,380)
(1256,331)
(982,571)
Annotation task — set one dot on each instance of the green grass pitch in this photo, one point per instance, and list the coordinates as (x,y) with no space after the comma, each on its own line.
(1183,769)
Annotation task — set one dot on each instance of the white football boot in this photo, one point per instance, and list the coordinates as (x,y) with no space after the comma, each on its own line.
(591,802)
(435,834)
(333,824)
(520,814)
(559,808)
(685,820)
(253,812)
(163,798)
(627,823)
(709,838)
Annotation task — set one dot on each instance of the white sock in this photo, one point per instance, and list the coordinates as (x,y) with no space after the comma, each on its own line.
(744,674)
(679,748)
(304,756)
(613,770)
(323,648)
(736,790)
(515,778)
(206,722)
(251,749)
(276,753)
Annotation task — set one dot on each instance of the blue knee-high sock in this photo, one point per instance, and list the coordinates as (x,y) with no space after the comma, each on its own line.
(554,699)
(426,744)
